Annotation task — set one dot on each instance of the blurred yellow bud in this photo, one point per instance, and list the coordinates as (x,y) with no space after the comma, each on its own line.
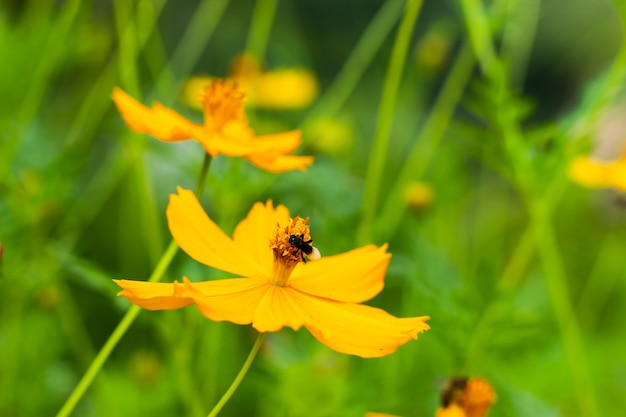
(330,136)
(433,50)
(48,297)
(145,368)
(418,195)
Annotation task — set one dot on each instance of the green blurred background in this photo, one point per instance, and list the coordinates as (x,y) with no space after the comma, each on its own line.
(521,271)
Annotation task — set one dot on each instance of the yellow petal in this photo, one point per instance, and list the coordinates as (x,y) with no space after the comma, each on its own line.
(354,328)
(452,410)
(616,173)
(193,90)
(354,276)
(154,295)
(589,172)
(159,121)
(234,300)
(279,163)
(278,309)
(253,233)
(204,241)
(279,143)
(285,88)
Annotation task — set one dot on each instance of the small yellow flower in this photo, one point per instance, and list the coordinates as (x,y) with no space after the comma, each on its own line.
(225,130)
(466,397)
(418,195)
(278,288)
(594,173)
(330,136)
(284,88)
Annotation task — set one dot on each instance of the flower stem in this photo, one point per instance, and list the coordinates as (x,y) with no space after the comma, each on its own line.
(558,291)
(385,118)
(130,315)
(115,337)
(206,164)
(242,373)
(261,26)
(368,45)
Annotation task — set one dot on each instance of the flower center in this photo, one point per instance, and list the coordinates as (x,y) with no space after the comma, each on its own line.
(290,245)
(222,103)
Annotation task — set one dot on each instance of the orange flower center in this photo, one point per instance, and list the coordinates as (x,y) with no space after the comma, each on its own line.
(222,103)
(477,398)
(290,244)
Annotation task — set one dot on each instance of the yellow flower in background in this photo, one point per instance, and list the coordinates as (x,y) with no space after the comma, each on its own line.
(594,173)
(330,136)
(285,88)
(418,195)
(225,130)
(466,397)
(279,289)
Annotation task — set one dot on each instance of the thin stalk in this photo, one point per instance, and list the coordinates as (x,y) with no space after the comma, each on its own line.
(479,33)
(556,282)
(261,25)
(242,373)
(361,56)
(385,119)
(192,42)
(426,142)
(129,317)
(115,337)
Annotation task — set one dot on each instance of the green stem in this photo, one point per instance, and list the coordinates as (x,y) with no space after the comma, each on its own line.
(426,142)
(385,118)
(242,373)
(130,315)
(479,33)
(329,104)
(115,337)
(261,26)
(556,282)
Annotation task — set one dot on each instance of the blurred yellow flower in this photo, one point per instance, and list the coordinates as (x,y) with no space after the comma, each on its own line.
(285,88)
(418,195)
(466,397)
(279,288)
(594,173)
(330,136)
(225,129)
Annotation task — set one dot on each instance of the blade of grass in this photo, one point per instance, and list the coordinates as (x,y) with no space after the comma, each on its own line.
(361,56)
(426,143)
(261,25)
(385,118)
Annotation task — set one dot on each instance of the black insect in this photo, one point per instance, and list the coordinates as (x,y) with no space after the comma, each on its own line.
(304,246)
(454,388)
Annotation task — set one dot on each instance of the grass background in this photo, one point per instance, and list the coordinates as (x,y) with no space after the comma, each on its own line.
(521,271)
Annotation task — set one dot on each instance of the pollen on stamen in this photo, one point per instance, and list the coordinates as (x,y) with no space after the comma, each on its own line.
(287,243)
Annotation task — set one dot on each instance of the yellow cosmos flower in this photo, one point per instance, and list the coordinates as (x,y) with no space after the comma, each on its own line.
(379,415)
(594,173)
(225,129)
(466,397)
(285,88)
(278,288)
